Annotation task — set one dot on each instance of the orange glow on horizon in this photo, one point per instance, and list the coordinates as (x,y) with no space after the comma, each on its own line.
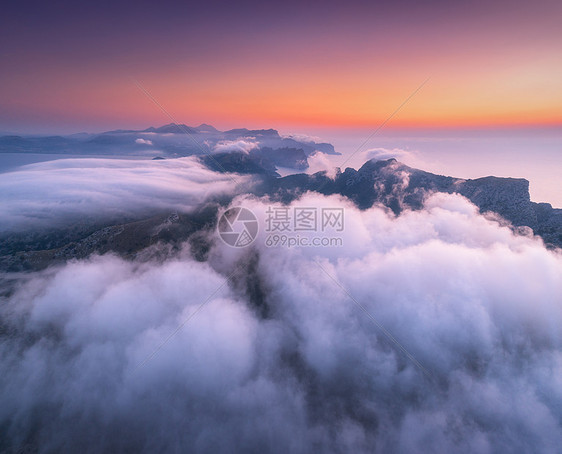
(322,84)
(490,65)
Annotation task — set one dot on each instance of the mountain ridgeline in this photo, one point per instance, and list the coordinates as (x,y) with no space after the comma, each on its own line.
(399,187)
(257,153)
(177,140)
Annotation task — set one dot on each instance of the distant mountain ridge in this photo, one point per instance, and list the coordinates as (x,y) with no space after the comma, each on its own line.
(175,140)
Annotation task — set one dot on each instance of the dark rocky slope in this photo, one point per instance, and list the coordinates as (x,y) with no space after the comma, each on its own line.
(398,187)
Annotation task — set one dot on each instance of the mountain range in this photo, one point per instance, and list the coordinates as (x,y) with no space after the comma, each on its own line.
(388,183)
(176,140)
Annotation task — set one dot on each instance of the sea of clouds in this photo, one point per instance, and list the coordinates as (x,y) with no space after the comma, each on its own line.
(435,331)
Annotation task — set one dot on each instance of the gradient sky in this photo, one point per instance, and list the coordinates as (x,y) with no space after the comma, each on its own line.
(69,66)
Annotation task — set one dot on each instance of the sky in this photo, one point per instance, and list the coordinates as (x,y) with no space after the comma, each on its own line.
(72,66)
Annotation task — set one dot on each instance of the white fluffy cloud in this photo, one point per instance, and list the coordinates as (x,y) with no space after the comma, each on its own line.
(319,162)
(143,141)
(57,192)
(244,145)
(303,138)
(281,359)
(405,156)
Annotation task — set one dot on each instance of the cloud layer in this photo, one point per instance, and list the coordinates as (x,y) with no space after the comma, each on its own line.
(54,193)
(380,154)
(281,359)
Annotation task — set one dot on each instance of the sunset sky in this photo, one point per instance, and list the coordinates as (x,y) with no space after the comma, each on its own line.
(67,66)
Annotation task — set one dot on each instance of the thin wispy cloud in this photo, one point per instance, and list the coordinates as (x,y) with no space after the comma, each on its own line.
(55,193)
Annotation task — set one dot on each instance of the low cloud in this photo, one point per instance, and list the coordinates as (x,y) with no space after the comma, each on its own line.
(280,358)
(303,138)
(143,141)
(319,162)
(380,154)
(227,146)
(54,193)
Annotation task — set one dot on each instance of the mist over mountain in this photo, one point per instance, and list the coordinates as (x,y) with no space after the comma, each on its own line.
(293,227)
(399,187)
(128,325)
(172,141)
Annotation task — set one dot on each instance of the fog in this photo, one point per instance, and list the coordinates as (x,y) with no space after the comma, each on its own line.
(268,349)
(59,192)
